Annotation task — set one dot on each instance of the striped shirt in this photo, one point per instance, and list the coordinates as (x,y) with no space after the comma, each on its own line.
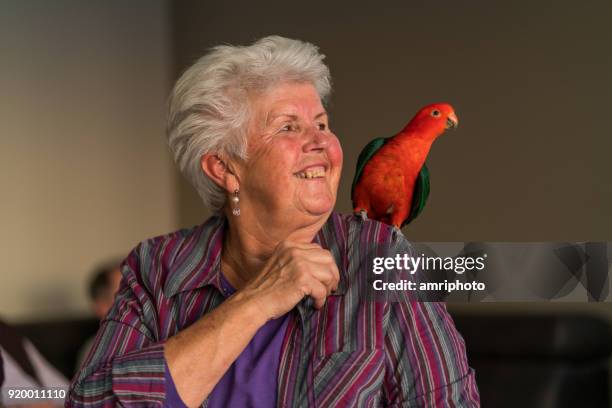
(353,352)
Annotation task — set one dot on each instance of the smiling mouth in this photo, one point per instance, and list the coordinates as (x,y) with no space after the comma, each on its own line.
(311,173)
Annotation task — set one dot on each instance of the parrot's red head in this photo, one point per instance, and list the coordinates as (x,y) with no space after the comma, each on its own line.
(434,118)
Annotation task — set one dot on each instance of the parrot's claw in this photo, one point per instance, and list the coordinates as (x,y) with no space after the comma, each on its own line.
(363,214)
(398,231)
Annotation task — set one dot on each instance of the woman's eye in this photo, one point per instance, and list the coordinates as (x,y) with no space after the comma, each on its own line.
(322,126)
(287,128)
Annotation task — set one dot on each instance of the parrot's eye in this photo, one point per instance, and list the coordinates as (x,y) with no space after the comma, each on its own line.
(435,113)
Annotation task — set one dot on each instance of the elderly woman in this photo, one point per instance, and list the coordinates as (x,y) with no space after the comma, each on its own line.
(259,306)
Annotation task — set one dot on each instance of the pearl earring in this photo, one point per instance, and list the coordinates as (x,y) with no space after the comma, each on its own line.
(235,201)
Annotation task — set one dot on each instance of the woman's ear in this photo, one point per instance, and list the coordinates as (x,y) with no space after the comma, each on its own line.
(219,171)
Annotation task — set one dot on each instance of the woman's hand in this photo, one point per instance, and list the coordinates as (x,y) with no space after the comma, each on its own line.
(293,271)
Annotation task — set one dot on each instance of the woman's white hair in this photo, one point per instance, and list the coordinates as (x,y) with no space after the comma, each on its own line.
(209,105)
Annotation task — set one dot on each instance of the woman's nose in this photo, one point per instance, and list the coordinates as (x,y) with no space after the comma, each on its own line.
(316,140)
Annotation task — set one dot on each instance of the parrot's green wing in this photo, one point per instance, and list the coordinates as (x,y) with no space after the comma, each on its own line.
(366,154)
(421,193)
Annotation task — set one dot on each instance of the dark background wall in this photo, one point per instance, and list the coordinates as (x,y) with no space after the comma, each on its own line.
(531,83)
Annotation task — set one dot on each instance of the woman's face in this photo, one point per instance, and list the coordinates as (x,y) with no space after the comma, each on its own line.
(294,160)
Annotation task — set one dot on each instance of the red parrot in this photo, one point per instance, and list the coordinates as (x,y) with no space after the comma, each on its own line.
(391,181)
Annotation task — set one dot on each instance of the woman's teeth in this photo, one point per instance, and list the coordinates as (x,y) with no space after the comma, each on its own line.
(311,173)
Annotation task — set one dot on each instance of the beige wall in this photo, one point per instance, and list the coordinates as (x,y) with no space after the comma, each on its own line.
(84,169)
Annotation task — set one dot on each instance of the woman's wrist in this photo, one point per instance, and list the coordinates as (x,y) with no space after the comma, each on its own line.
(250,306)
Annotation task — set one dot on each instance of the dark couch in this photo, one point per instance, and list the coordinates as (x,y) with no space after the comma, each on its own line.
(543,361)
(60,340)
(539,361)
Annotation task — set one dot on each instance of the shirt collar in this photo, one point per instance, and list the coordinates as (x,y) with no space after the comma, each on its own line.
(198,260)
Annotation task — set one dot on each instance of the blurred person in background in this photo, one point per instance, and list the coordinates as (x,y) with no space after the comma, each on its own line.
(102,288)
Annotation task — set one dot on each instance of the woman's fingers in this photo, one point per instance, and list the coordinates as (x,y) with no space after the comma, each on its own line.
(318,293)
(317,262)
(319,270)
(327,273)
(294,271)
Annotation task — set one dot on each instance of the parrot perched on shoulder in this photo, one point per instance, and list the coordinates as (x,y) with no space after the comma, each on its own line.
(391,181)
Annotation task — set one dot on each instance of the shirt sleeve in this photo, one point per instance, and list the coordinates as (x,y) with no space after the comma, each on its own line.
(425,357)
(126,364)
(425,360)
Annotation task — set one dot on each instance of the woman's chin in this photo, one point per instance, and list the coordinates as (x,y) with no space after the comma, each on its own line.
(319,207)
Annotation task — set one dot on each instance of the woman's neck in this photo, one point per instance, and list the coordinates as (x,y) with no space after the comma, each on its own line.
(248,245)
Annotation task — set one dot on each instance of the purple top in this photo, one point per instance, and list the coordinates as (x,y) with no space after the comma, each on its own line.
(252,380)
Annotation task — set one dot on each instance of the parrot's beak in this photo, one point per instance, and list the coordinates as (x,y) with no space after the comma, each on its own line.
(452,121)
